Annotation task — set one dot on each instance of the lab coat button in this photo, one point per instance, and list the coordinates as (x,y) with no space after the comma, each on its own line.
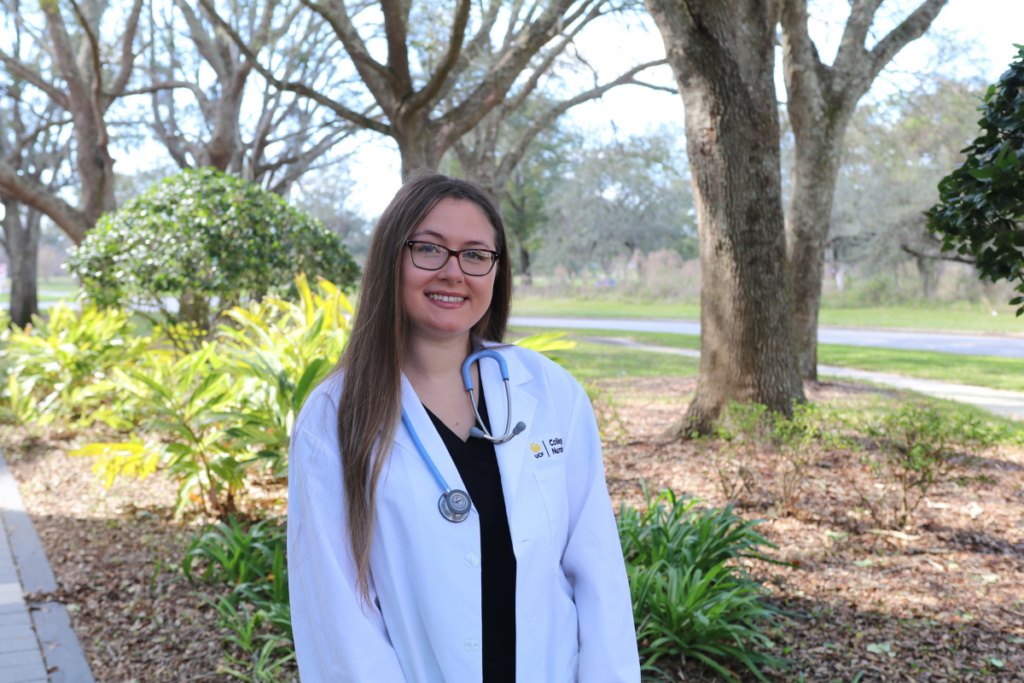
(472,644)
(472,560)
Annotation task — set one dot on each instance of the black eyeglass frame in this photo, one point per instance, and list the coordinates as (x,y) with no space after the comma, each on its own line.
(453,252)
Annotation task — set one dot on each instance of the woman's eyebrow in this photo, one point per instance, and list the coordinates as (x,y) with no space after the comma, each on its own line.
(427,232)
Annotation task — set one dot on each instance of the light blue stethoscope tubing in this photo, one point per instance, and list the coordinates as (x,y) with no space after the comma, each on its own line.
(455,504)
(467,379)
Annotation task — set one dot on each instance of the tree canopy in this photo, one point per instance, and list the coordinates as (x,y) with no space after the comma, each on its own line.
(203,235)
(981,204)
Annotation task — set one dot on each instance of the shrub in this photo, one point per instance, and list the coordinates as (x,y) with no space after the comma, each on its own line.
(919,446)
(208,240)
(798,443)
(277,351)
(63,367)
(253,561)
(691,597)
(742,430)
(218,411)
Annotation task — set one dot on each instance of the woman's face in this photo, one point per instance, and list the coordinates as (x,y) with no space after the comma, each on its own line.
(447,302)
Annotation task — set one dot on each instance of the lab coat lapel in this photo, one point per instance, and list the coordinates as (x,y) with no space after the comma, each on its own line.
(511,453)
(431,440)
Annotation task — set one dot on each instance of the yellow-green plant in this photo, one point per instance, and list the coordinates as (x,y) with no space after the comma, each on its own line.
(63,367)
(276,352)
(546,343)
(188,402)
(115,460)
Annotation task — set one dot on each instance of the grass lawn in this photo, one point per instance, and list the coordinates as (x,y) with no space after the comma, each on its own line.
(974,318)
(985,371)
(590,361)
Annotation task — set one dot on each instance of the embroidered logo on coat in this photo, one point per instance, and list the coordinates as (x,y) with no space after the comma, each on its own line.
(547,448)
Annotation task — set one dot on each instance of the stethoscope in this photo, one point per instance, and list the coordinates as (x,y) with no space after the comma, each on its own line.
(455,503)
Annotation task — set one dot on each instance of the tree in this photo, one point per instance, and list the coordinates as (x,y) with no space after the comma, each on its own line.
(895,153)
(614,199)
(75,70)
(206,239)
(821,100)
(491,151)
(428,90)
(289,134)
(980,214)
(39,155)
(722,53)
(34,145)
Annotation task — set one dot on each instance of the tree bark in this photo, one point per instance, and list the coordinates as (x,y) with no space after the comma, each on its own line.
(821,101)
(524,264)
(722,55)
(21,242)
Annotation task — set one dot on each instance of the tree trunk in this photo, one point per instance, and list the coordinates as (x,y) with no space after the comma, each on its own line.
(22,240)
(821,100)
(815,170)
(722,55)
(524,265)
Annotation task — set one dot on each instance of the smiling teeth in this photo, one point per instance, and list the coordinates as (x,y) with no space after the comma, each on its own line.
(446,299)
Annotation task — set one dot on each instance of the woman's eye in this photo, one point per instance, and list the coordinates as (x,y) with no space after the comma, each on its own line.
(475,255)
(427,249)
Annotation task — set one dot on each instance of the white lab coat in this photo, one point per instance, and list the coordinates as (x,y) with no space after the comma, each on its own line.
(574,620)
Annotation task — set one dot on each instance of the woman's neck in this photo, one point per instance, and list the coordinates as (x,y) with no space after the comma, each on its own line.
(430,357)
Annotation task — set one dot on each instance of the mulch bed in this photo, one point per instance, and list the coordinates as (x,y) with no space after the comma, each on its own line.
(944,599)
(115,554)
(937,602)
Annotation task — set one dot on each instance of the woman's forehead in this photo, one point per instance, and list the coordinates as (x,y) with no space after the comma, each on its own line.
(457,220)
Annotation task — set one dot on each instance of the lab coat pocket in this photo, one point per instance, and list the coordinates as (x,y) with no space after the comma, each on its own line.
(551,481)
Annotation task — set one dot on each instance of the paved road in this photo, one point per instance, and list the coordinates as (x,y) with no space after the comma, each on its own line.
(1007,403)
(967,344)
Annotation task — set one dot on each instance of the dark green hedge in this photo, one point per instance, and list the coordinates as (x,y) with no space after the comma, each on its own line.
(206,234)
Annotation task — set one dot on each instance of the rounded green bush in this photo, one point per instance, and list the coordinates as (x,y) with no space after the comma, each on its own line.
(203,235)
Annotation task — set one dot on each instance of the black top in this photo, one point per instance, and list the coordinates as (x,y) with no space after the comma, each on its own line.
(478,467)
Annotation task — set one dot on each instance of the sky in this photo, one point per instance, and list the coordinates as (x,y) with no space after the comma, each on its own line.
(613,47)
(994,25)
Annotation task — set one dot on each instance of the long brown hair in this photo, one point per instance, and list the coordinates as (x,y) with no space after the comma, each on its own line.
(370,407)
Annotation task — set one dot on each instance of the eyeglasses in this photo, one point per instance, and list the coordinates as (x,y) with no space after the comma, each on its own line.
(430,256)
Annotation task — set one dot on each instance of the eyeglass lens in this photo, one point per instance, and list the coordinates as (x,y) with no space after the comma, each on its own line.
(433,257)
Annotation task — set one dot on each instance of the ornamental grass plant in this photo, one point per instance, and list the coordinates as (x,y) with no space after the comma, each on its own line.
(692,597)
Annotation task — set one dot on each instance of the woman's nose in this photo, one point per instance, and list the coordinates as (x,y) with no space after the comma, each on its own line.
(451,270)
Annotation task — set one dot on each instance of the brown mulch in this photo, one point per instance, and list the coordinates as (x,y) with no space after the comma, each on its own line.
(116,555)
(945,598)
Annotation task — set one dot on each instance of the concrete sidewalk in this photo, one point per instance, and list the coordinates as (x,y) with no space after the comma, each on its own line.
(1007,403)
(37,643)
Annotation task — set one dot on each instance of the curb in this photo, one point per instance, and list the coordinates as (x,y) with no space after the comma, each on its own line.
(64,659)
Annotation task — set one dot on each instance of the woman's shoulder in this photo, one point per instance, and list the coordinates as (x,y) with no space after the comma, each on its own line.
(321,406)
(543,368)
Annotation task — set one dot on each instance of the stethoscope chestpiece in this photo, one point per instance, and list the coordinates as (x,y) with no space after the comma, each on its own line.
(454,505)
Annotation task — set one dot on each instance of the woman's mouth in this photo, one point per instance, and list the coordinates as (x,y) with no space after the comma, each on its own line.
(445,298)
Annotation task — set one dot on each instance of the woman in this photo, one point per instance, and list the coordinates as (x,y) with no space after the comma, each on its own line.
(530,585)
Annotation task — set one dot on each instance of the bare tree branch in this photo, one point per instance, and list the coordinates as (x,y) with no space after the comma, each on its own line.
(33,193)
(448,62)
(22,71)
(298,88)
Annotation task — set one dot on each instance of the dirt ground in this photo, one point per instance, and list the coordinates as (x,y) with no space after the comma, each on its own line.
(936,603)
(116,555)
(942,601)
